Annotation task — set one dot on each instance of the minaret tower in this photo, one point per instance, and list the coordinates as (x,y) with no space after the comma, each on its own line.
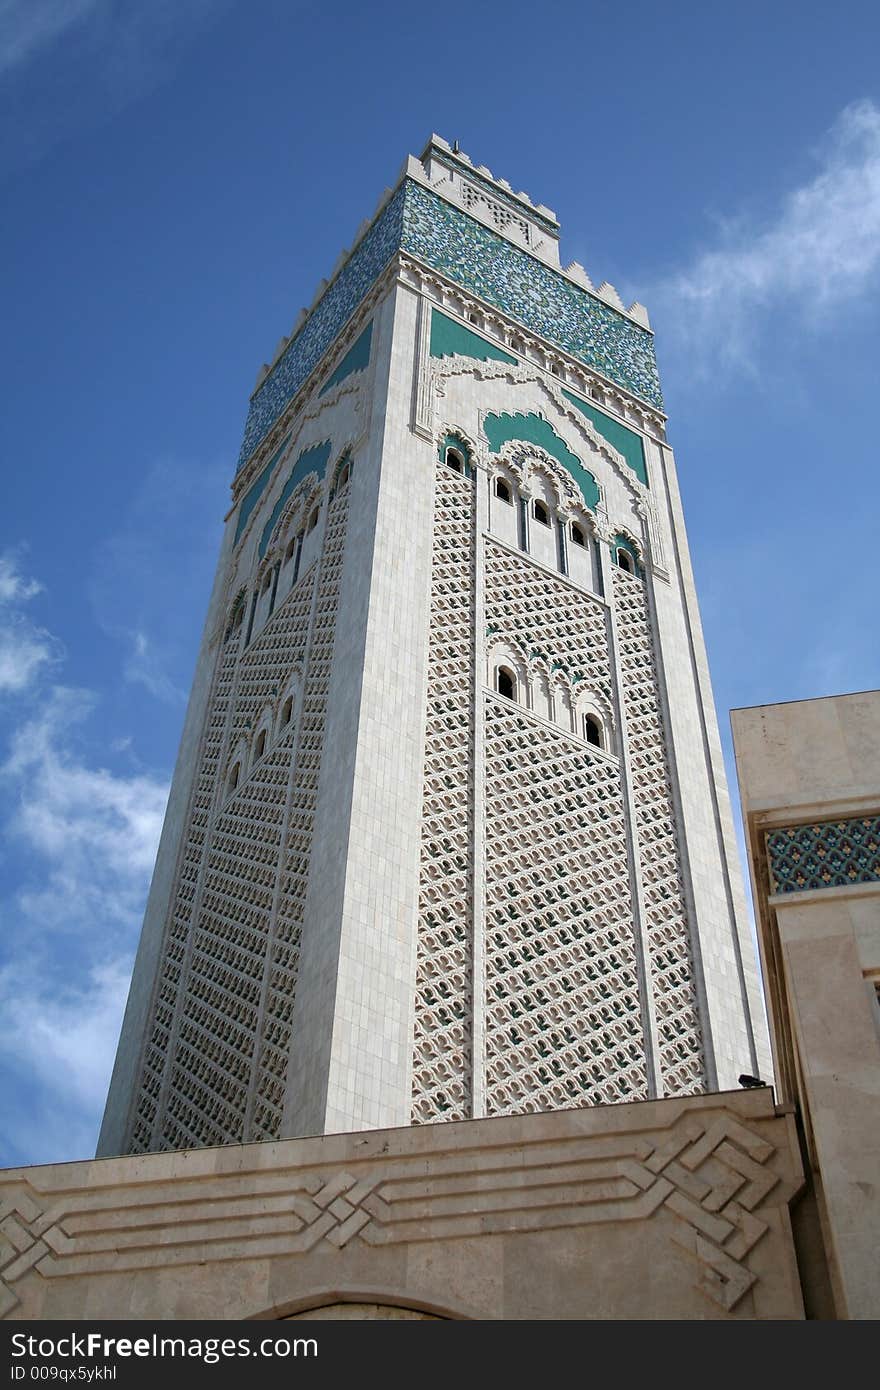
(449,834)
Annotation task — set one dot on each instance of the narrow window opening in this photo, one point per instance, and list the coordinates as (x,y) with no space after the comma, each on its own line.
(455,460)
(287,711)
(540,513)
(555,369)
(502,490)
(266,582)
(344,477)
(592,730)
(506,683)
(260,745)
(624,559)
(289,552)
(232,781)
(238,617)
(313,520)
(578,535)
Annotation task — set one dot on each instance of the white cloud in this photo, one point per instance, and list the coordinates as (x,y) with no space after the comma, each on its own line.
(14,588)
(95,831)
(144,667)
(24,648)
(822,247)
(26,26)
(79,845)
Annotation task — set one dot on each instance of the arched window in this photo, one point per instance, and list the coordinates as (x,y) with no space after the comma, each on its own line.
(289,552)
(260,745)
(344,475)
(593,730)
(556,369)
(232,779)
(267,580)
(454,460)
(506,683)
(502,490)
(287,711)
(313,519)
(578,535)
(625,560)
(540,512)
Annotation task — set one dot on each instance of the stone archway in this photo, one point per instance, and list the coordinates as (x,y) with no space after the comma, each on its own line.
(361,1311)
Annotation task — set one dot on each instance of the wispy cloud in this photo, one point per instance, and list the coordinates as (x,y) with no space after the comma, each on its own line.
(14,588)
(95,831)
(79,843)
(25,648)
(821,248)
(145,574)
(26,26)
(68,65)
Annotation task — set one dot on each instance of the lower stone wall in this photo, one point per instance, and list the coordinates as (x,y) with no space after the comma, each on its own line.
(660,1209)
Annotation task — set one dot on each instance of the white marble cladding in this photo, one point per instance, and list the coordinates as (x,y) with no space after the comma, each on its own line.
(343,858)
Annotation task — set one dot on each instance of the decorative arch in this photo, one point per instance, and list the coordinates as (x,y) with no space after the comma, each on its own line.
(237,758)
(534,429)
(329,1297)
(563,700)
(236,614)
(500,652)
(341,471)
(625,541)
(603,441)
(313,460)
(591,704)
(453,437)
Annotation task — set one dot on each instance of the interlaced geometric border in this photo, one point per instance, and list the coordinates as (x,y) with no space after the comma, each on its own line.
(830,854)
(711,1172)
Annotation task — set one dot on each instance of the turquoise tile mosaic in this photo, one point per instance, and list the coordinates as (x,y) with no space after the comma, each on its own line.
(831,854)
(467,253)
(329,315)
(540,298)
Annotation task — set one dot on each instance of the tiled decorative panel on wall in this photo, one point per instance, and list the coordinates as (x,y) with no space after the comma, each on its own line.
(831,854)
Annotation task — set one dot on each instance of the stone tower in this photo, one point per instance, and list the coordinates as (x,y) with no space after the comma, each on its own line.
(449,833)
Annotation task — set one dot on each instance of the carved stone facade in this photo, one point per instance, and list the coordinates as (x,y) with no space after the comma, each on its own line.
(448,836)
(670,1209)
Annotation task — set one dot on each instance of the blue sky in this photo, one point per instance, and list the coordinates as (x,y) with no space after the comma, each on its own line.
(177,176)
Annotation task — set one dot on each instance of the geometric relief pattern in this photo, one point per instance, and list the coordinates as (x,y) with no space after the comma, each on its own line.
(441,1085)
(681,1063)
(831,854)
(708,1174)
(177,931)
(548,620)
(211,1036)
(283,957)
(221,1030)
(563,1019)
